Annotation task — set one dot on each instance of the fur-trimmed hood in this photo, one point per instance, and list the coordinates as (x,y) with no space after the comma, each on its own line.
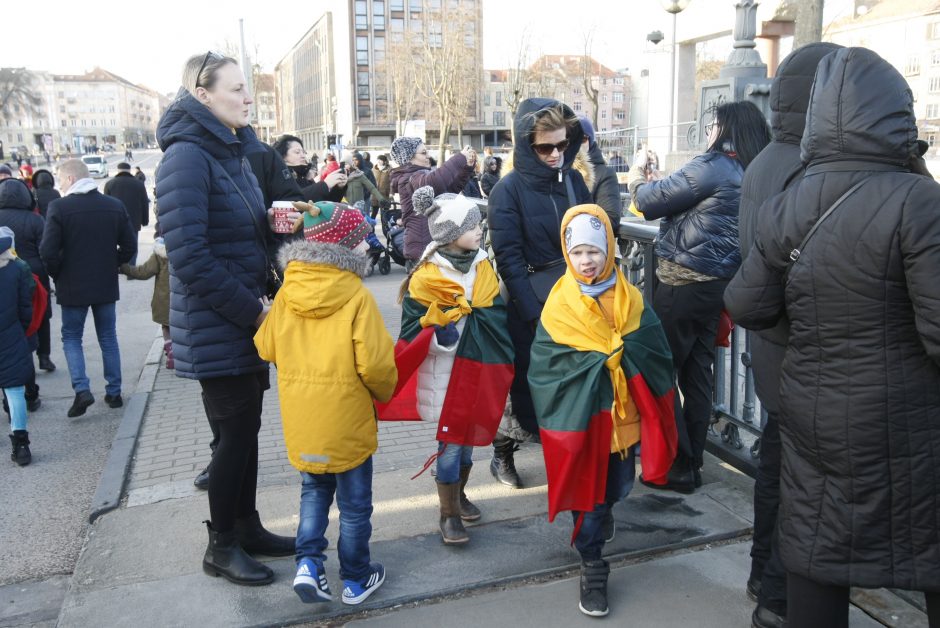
(581,164)
(326,277)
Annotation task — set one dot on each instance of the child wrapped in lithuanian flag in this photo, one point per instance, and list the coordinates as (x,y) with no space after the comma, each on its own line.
(601,378)
(454,355)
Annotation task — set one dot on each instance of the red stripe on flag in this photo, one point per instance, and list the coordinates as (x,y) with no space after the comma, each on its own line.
(408,357)
(476,398)
(576,465)
(658,435)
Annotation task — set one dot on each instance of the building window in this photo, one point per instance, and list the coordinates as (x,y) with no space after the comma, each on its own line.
(576,91)
(362,50)
(362,83)
(398,24)
(486,99)
(415,6)
(912,66)
(363,111)
(577,105)
(396,5)
(435,35)
(619,115)
(618,96)
(378,49)
(604,97)
(933,110)
(362,15)
(378,15)
(64,123)
(604,114)
(61,108)
(931,139)
(499,99)
(935,30)
(499,118)
(934,85)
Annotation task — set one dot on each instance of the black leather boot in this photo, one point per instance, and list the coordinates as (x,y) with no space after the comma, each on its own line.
(45,363)
(225,557)
(255,539)
(468,512)
(503,467)
(20,454)
(452,530)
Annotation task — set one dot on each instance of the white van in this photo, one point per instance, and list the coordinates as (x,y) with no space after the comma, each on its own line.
(97,165)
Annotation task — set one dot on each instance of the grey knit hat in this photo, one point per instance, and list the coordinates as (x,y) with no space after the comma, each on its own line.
(449,215)
(404,149)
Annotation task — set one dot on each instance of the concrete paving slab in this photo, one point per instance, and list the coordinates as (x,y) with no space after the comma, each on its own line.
(32,603)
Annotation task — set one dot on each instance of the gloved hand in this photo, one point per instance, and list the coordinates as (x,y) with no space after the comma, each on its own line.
(447,335)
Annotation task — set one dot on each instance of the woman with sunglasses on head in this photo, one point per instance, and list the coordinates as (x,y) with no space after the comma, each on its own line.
(698,253)
(524,217)
(212,213)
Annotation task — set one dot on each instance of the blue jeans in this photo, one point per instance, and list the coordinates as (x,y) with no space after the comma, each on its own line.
(353,490)
(73,327)
(620,476)
(450,461)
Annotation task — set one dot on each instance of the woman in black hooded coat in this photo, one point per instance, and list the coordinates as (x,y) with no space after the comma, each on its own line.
(860,381)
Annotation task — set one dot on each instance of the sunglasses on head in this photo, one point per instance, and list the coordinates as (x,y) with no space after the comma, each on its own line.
(548,149)
(205,60)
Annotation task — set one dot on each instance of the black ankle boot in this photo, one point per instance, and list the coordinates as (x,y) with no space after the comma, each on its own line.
(21,454)
(253,537)
(45,363)
(225,557)
(594,575)
(503,467)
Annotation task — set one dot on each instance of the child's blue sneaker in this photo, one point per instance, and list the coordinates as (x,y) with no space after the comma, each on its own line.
(357,592)
(310,582)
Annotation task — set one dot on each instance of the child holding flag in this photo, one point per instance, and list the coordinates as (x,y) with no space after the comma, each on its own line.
(601,378)
(454,355)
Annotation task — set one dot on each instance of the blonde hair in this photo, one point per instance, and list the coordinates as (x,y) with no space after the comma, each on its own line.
(210,63)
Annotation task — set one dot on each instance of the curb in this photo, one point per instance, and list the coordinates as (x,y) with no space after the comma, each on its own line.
(114,475)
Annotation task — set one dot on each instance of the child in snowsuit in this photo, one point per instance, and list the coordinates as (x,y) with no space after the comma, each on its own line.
(597,334)
(157,266)
(16,311)
(455,343)
(334,357)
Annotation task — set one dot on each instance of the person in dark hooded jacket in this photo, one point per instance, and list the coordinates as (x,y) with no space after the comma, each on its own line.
(776,168)
(697,253)
(606,190)
(524,217)
(212,213)
(860,380)
(491,168)
(44,190)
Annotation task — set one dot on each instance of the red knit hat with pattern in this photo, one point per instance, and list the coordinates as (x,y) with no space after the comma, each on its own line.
(335,223)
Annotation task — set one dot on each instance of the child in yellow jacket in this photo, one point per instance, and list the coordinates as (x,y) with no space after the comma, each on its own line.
(334,357)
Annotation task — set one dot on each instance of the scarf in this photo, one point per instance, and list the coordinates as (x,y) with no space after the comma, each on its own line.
(595,290)
(462,261)
(82,186)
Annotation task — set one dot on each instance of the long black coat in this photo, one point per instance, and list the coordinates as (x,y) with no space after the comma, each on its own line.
(44,190)
(87,236)
(776,168)
(16,310)
(16,212)
(129,190)
(860,385)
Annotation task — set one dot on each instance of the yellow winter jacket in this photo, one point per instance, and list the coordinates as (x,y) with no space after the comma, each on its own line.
(333,356)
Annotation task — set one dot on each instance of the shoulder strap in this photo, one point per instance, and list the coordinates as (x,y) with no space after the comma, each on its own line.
(572,201)
(795,253)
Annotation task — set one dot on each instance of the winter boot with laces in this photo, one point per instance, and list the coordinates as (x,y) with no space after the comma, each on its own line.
(503,467)
(21,454)
(452,530)
(594,575)
(468,512)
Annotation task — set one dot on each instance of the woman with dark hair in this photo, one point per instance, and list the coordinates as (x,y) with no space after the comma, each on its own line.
(212,213)
(524,215)
(329,188)
(697,254)
(381,172)
(491,168)
(44,189)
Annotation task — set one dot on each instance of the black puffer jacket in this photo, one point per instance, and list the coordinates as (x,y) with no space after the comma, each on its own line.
(606,190)
(772,171)
(860,487)
(44,190)
(16,212)
(698,205)
(526,207)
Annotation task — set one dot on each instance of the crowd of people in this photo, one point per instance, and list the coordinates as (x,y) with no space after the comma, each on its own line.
(817,232)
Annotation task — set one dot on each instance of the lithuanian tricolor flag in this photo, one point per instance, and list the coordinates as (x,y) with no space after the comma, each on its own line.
(483,368)
(589,373)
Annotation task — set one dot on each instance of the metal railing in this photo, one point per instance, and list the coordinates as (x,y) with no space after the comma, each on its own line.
(737,418)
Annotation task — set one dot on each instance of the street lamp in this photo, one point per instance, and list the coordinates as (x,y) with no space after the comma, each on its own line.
(675,7)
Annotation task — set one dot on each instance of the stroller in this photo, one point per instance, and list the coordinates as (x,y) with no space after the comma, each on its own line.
(394,250)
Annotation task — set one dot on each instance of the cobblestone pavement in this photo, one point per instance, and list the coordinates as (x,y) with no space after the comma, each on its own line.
(173,445)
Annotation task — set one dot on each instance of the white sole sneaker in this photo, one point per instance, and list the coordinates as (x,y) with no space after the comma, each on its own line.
(375,581)
(593,613)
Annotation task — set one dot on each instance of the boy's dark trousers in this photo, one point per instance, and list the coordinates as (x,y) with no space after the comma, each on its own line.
(620,477)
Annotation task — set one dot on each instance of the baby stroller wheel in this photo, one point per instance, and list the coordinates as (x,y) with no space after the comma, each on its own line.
(385,265)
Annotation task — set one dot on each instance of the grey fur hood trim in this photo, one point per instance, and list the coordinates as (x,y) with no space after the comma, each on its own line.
(321,253)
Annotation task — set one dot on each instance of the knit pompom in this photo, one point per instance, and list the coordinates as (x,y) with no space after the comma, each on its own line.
(423,199)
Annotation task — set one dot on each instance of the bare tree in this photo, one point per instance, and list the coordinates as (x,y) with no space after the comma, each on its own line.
(808,15)
(400,70)
(18,93)
(590,70)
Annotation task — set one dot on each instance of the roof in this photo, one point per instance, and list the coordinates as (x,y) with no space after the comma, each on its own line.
(98,75)
(572,64)
(265,83)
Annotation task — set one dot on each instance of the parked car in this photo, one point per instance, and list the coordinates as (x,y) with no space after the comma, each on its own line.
(108,148)
(97,165)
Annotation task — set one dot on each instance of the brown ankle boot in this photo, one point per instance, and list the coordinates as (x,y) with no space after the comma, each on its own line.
(468,512)
(452,530)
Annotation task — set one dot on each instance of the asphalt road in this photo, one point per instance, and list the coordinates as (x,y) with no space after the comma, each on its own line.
(45,505)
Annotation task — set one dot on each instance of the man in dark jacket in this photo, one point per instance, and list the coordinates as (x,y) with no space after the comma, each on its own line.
(87,236)
(606,192)
(772,171)
(129,190)
(524,215)
(860,380)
